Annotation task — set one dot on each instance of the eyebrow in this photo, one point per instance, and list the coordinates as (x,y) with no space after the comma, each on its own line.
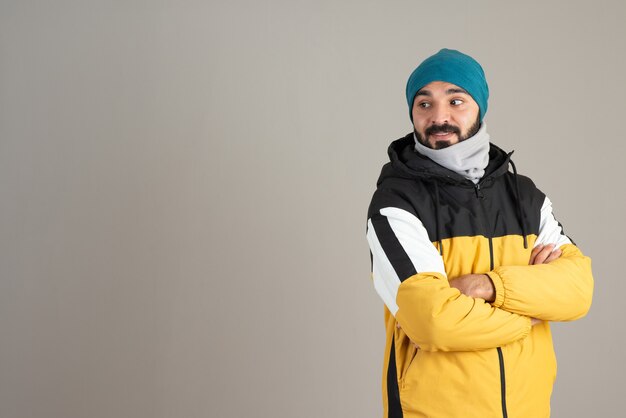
(449,91)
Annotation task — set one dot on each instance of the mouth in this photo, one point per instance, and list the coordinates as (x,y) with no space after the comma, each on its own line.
(442,136)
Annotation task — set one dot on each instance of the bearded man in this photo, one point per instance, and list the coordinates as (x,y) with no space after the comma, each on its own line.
(469,260)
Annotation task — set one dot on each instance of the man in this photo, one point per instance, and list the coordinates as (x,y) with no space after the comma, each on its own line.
(468,259)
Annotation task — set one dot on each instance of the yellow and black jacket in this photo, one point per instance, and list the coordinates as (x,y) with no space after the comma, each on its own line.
(427,224)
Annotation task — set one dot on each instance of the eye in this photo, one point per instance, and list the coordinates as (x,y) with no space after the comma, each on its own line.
(456,102)
(424,105)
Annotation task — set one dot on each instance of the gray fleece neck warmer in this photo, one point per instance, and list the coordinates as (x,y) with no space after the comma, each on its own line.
(468,158)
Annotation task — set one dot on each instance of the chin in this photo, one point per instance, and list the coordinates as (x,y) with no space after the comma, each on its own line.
(442,144)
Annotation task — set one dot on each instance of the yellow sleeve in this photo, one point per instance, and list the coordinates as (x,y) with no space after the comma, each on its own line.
(558,291)
(409,275)
(439,318)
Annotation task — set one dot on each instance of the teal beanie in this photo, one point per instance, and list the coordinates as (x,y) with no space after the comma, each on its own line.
(452,67)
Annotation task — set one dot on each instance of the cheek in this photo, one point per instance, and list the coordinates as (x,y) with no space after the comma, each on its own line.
(420,118)
(418,122)
(415,117)
(419,126)
(467,119)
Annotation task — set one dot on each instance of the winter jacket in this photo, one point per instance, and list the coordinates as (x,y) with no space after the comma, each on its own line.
(452,355)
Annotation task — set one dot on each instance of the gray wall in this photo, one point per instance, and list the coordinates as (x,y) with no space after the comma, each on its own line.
(183,190)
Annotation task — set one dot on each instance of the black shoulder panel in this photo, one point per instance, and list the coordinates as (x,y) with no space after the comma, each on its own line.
(494,210)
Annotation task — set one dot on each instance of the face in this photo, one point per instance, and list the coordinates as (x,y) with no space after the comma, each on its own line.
(444,114)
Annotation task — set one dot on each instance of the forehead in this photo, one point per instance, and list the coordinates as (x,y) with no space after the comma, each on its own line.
(438,88)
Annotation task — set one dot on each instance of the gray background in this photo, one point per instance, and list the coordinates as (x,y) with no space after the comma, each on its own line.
(183,191)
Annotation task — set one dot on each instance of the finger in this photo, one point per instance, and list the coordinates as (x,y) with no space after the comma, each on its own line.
(398,325)
(541,257)
(543,254)
(553,256)
(534,253)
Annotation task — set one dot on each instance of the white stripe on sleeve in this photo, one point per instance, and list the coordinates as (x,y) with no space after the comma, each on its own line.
(550,232)
(413,238)
(386,280)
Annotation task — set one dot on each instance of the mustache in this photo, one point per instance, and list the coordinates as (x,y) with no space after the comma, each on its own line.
(445,128)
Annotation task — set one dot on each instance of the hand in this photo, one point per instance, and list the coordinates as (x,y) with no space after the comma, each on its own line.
(475,286)
(543,254)
(534,321)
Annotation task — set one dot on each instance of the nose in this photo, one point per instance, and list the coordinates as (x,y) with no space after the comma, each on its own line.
(440,115)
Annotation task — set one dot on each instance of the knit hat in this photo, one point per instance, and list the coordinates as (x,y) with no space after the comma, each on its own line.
(453,67)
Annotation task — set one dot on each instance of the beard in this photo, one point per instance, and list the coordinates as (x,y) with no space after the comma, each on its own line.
(446,128)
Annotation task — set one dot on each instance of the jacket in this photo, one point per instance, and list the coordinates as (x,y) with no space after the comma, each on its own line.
(447,354)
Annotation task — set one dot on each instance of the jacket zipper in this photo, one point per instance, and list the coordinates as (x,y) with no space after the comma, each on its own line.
(480,196)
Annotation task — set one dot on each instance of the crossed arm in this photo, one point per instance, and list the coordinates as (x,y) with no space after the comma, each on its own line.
(481,286)
(439,313)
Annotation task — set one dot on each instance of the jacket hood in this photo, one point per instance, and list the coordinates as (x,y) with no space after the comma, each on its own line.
(405,162)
